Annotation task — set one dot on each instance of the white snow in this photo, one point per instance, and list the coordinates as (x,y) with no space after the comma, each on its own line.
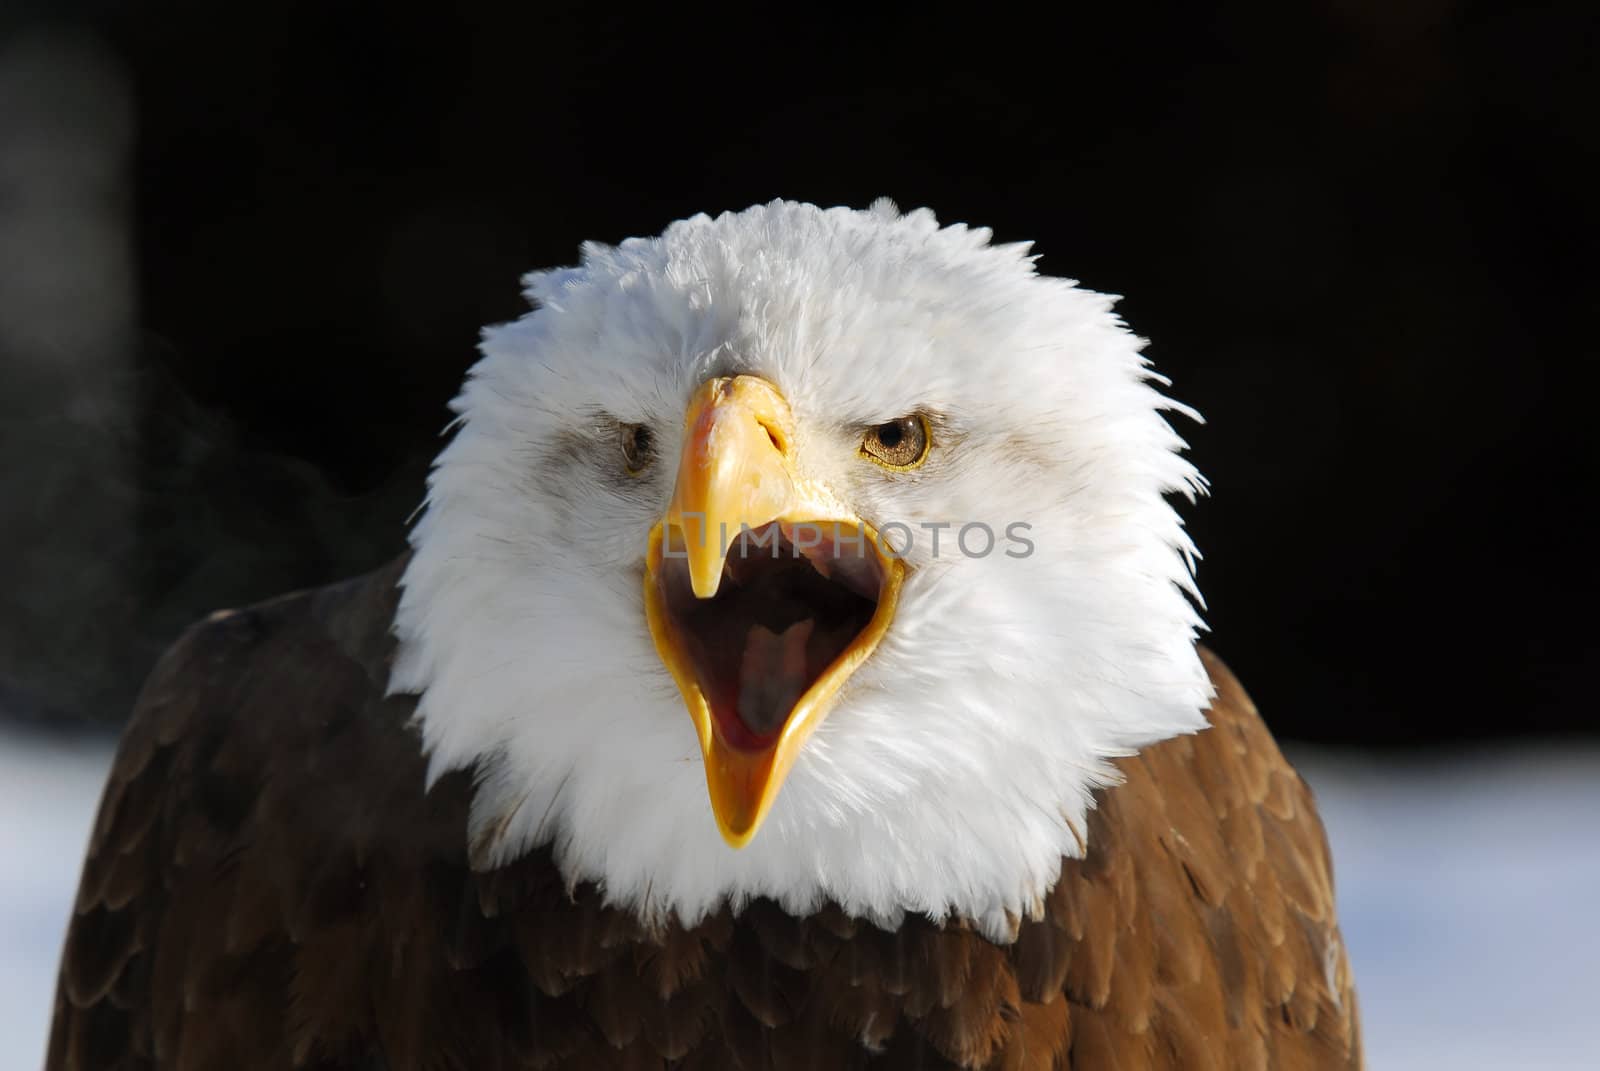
(49,791)
(1467,892)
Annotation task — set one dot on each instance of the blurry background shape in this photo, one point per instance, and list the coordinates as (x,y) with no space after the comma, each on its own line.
(69,576)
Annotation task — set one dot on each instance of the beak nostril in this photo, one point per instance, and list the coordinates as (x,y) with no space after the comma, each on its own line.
(774,436)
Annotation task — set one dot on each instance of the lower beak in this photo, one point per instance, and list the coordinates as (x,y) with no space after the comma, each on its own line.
(762,594)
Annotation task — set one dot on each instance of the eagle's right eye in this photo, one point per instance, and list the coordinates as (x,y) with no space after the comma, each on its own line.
(899,445)
(638,449)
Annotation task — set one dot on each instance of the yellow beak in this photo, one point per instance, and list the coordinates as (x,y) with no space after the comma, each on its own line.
(759,585)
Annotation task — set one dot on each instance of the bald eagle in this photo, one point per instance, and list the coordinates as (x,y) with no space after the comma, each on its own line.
(794,666)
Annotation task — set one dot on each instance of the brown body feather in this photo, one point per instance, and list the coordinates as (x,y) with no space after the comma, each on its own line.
(268,886)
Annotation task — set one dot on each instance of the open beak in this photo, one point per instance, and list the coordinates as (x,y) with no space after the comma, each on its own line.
(763,595)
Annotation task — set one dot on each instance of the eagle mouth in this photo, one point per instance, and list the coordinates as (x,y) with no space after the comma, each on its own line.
(795,601)
(761,657)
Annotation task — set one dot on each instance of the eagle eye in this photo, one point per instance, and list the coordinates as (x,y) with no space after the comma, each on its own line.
(898,444)
(638,448)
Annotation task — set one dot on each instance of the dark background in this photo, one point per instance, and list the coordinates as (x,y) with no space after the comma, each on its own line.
(245,252)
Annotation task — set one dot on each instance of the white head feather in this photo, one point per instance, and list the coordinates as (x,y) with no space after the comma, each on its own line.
(956,769)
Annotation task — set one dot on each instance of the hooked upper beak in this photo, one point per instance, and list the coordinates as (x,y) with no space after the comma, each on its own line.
(763,594)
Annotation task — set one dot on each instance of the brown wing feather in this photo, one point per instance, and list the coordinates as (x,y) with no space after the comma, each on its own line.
(268,886)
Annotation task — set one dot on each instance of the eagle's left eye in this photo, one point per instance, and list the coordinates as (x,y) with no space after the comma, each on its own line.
(638,448)
(898,444)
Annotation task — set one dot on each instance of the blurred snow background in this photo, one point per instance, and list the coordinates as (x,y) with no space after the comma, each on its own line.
(1467,894)
(49,789)
(1467,891)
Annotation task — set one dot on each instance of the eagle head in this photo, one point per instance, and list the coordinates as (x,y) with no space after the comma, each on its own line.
(821,555)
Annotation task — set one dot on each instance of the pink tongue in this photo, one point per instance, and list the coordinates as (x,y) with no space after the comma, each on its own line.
(772,675)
